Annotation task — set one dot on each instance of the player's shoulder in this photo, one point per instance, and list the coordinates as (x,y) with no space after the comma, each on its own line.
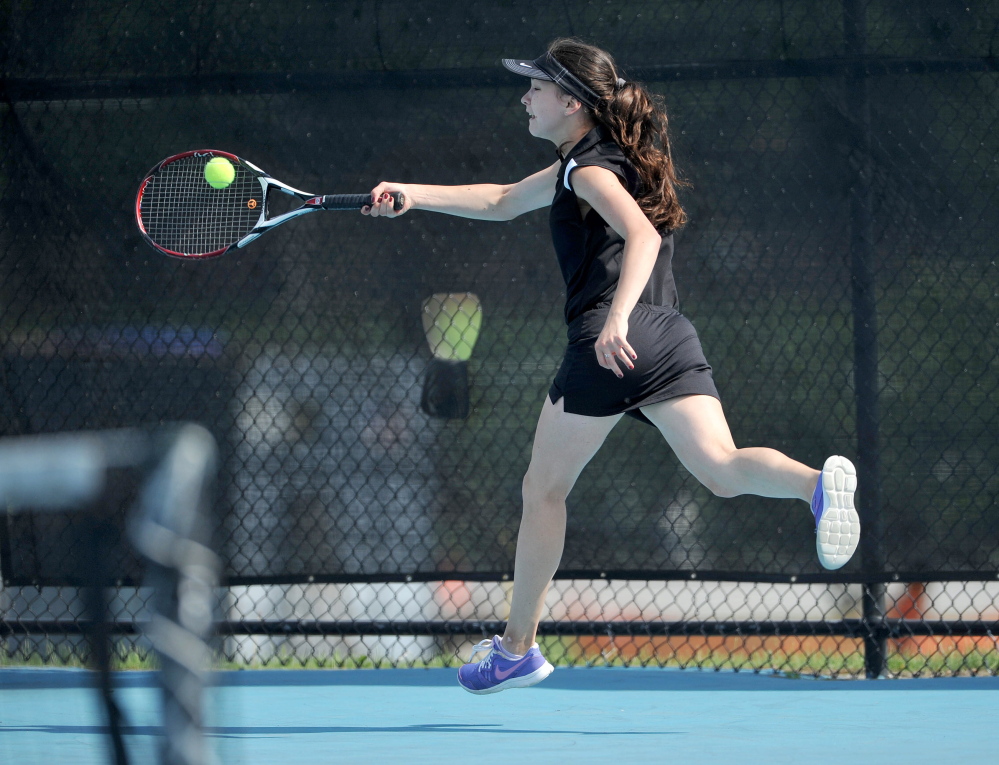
(605,148)
(603,152)
(607,154)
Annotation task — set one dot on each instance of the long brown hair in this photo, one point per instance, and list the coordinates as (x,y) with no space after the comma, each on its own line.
(637,122)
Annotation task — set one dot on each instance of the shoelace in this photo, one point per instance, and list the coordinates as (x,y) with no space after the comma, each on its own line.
(480,647)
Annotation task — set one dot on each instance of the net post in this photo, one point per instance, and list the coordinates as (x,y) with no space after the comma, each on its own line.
(865,336)
(173,532)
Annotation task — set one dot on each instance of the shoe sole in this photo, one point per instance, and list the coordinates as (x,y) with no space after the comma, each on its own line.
(514,682)
(838,532)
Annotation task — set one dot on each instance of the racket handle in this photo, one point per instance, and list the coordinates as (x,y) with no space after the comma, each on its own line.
(356,201)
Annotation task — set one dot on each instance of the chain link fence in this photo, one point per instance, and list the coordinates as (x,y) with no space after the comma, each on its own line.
(839,265)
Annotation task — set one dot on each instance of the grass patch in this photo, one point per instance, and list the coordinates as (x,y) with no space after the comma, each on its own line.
(45,653)
(790,656)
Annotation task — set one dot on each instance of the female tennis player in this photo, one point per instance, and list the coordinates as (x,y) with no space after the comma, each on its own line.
(614,207)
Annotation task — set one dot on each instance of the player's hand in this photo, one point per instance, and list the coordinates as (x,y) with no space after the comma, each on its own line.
(612,348)
(383,205)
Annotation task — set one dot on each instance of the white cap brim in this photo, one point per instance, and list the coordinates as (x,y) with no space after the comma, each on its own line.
(525,68)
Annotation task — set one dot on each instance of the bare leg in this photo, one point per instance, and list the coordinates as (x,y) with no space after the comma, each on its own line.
(563,444)
(696,429)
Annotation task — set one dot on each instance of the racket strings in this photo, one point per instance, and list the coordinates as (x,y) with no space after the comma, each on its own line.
(182,213)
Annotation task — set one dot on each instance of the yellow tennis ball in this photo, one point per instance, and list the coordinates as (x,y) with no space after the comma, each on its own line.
(219,172)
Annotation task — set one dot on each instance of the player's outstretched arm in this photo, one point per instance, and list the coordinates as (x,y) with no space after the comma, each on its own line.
(483,201)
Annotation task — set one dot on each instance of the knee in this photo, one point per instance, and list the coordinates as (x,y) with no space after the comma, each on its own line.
(721,488)
(719,480)
(539,490)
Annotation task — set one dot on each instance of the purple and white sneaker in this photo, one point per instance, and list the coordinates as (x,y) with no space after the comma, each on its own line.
(837,525)
(500,670)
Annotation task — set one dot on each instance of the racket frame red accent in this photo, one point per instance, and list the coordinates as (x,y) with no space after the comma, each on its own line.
(155,169)
(310,203)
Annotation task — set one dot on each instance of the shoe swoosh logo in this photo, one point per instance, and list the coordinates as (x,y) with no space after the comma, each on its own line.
(501,675)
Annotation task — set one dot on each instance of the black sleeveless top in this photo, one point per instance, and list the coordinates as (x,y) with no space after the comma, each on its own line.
(589,251)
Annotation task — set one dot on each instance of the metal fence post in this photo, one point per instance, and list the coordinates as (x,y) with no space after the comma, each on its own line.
(865,335)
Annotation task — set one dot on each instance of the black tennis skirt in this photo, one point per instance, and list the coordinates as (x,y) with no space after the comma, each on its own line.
(670,363)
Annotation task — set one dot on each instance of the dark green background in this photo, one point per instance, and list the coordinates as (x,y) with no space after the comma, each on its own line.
(335,97)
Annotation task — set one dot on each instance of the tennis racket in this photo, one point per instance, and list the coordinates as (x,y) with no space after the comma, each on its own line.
(182,215)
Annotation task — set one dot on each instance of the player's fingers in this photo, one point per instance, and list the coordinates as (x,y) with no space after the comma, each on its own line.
(619,348)
(607,360)
(376,192)
(376,208)
(615,368)
(379,208)
(628,354)
(386,205)
(383,202)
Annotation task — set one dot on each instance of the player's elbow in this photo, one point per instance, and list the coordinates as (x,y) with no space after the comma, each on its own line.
(504,208)
(502,213)
(646,238)
(652,237)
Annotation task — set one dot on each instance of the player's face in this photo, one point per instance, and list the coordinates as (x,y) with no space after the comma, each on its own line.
(545,104)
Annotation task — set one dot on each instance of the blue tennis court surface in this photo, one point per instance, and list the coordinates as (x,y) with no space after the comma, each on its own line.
(576,716)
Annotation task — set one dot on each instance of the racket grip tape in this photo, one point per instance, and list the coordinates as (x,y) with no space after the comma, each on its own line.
(356,201)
